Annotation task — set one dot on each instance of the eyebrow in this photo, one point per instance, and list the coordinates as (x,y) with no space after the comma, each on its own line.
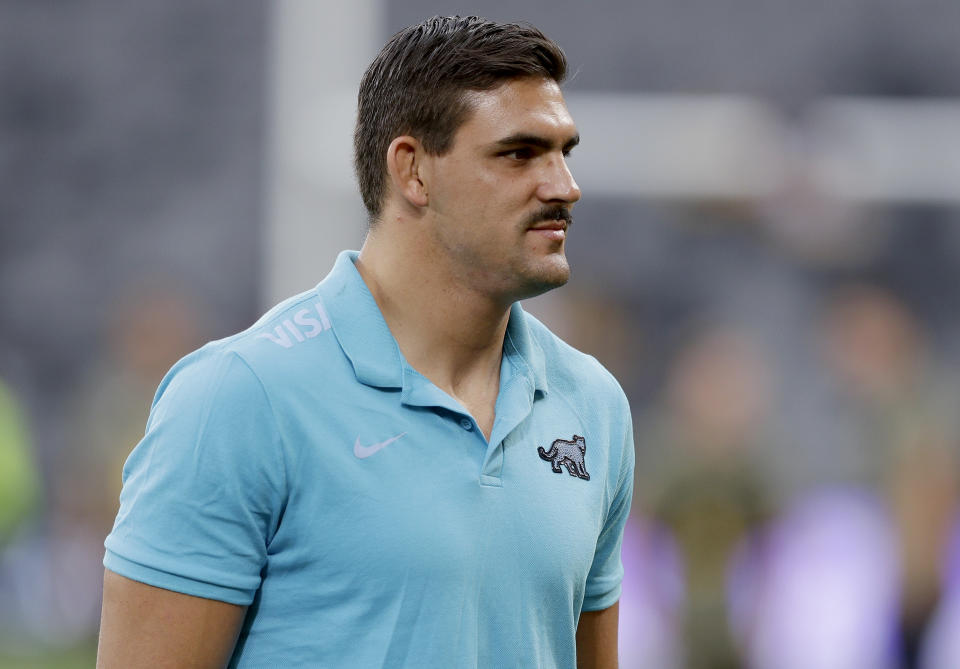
(536,140)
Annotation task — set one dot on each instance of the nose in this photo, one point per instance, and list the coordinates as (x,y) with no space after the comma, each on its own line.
(558,184)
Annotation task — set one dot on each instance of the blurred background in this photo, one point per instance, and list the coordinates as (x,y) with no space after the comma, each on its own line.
(766,256)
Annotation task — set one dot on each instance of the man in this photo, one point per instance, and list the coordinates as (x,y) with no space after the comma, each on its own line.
(399,468)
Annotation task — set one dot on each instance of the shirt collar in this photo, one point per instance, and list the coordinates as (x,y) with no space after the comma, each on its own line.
(369,345)
(523,350)
(359,326)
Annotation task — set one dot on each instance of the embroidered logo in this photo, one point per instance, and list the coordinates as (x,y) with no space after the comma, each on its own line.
(570,454)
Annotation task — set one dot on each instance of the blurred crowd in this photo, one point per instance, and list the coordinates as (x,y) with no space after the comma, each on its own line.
(796,499)
(57,507)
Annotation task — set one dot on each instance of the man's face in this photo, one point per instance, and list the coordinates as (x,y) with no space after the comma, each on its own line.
(500,198)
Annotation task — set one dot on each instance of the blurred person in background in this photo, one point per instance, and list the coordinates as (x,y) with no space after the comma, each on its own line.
(400,467)
(147,330)
(904,417)
(652,601)
(821,592)
(20,497)
(940,647)
(701,477)
(19,479)
(56,599)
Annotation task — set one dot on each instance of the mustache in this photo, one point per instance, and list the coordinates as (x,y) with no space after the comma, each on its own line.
(557,212)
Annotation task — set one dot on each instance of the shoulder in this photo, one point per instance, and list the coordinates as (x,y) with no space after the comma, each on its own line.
(295,327)
(286,342)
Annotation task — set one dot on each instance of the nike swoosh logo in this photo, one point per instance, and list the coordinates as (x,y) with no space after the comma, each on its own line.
(362,451)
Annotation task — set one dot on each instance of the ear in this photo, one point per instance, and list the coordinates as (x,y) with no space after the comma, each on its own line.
(404,161)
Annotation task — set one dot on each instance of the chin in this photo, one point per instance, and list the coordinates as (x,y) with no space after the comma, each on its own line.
(547,277)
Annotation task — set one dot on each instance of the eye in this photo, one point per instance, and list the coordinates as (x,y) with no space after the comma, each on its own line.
(523,153)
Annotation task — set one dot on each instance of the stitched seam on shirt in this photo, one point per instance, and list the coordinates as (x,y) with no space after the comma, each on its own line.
(284,447)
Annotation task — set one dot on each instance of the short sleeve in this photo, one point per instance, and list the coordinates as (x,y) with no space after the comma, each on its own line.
(204,490)
(606,573)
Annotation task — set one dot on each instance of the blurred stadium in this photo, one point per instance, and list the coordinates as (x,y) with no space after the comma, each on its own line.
(767,256)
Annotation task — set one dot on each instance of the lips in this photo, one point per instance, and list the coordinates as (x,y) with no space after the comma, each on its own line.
(552,230)
(550,225)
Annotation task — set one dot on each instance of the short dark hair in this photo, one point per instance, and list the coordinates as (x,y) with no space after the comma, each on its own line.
(417,84)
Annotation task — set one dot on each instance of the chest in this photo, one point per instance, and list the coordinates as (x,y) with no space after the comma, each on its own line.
(384,492)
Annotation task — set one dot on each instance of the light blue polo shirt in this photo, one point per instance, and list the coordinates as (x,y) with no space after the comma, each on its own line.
(303,468)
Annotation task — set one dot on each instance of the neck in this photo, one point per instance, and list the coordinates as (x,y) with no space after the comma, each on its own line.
(451,334)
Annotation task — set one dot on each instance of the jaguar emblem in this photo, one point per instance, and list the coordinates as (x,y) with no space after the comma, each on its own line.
(569,454)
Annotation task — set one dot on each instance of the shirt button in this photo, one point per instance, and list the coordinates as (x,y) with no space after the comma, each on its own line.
(466,424)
